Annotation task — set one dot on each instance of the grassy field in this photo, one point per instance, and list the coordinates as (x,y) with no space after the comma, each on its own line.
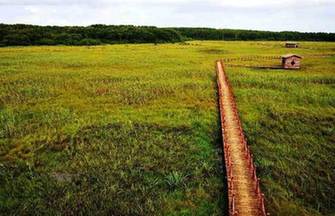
(134,129)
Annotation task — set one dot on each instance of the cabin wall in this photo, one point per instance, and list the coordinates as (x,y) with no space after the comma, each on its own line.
(287,63)
(291,45)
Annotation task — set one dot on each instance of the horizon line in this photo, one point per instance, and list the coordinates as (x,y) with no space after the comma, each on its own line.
(191,27)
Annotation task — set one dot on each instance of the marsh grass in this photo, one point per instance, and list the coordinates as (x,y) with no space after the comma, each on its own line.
(133,129)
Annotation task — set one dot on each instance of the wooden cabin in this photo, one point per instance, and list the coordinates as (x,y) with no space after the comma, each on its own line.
(291,61)
(291,45)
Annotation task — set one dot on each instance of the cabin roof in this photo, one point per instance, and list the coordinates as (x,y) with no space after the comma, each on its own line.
(290,55)
(291,42)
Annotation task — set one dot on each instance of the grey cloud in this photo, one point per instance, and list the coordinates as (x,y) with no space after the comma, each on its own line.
(307,15)
(186,5)
(52,2)
(210,7)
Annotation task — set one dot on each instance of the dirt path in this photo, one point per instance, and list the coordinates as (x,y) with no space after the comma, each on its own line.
(245,198)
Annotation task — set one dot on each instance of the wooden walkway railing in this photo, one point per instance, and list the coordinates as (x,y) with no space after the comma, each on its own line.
(244,194)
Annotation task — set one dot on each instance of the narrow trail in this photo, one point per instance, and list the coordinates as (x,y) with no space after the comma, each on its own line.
(245,197)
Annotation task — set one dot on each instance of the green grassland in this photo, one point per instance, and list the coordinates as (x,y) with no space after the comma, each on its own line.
(134,129)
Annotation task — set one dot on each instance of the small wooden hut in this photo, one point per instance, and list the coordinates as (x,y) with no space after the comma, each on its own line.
(291,45)
(291,61)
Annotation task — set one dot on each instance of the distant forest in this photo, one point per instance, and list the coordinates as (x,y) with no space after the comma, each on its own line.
(20,34)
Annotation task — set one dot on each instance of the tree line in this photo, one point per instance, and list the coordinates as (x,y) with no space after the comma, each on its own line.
(20,34)
(231,34)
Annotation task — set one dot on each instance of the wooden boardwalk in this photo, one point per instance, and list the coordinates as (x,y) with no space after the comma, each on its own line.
(245,197)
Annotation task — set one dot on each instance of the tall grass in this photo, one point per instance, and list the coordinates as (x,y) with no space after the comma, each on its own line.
(111,130)
(133,129)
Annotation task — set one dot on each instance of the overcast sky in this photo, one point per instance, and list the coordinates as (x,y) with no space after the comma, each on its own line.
(277,15)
